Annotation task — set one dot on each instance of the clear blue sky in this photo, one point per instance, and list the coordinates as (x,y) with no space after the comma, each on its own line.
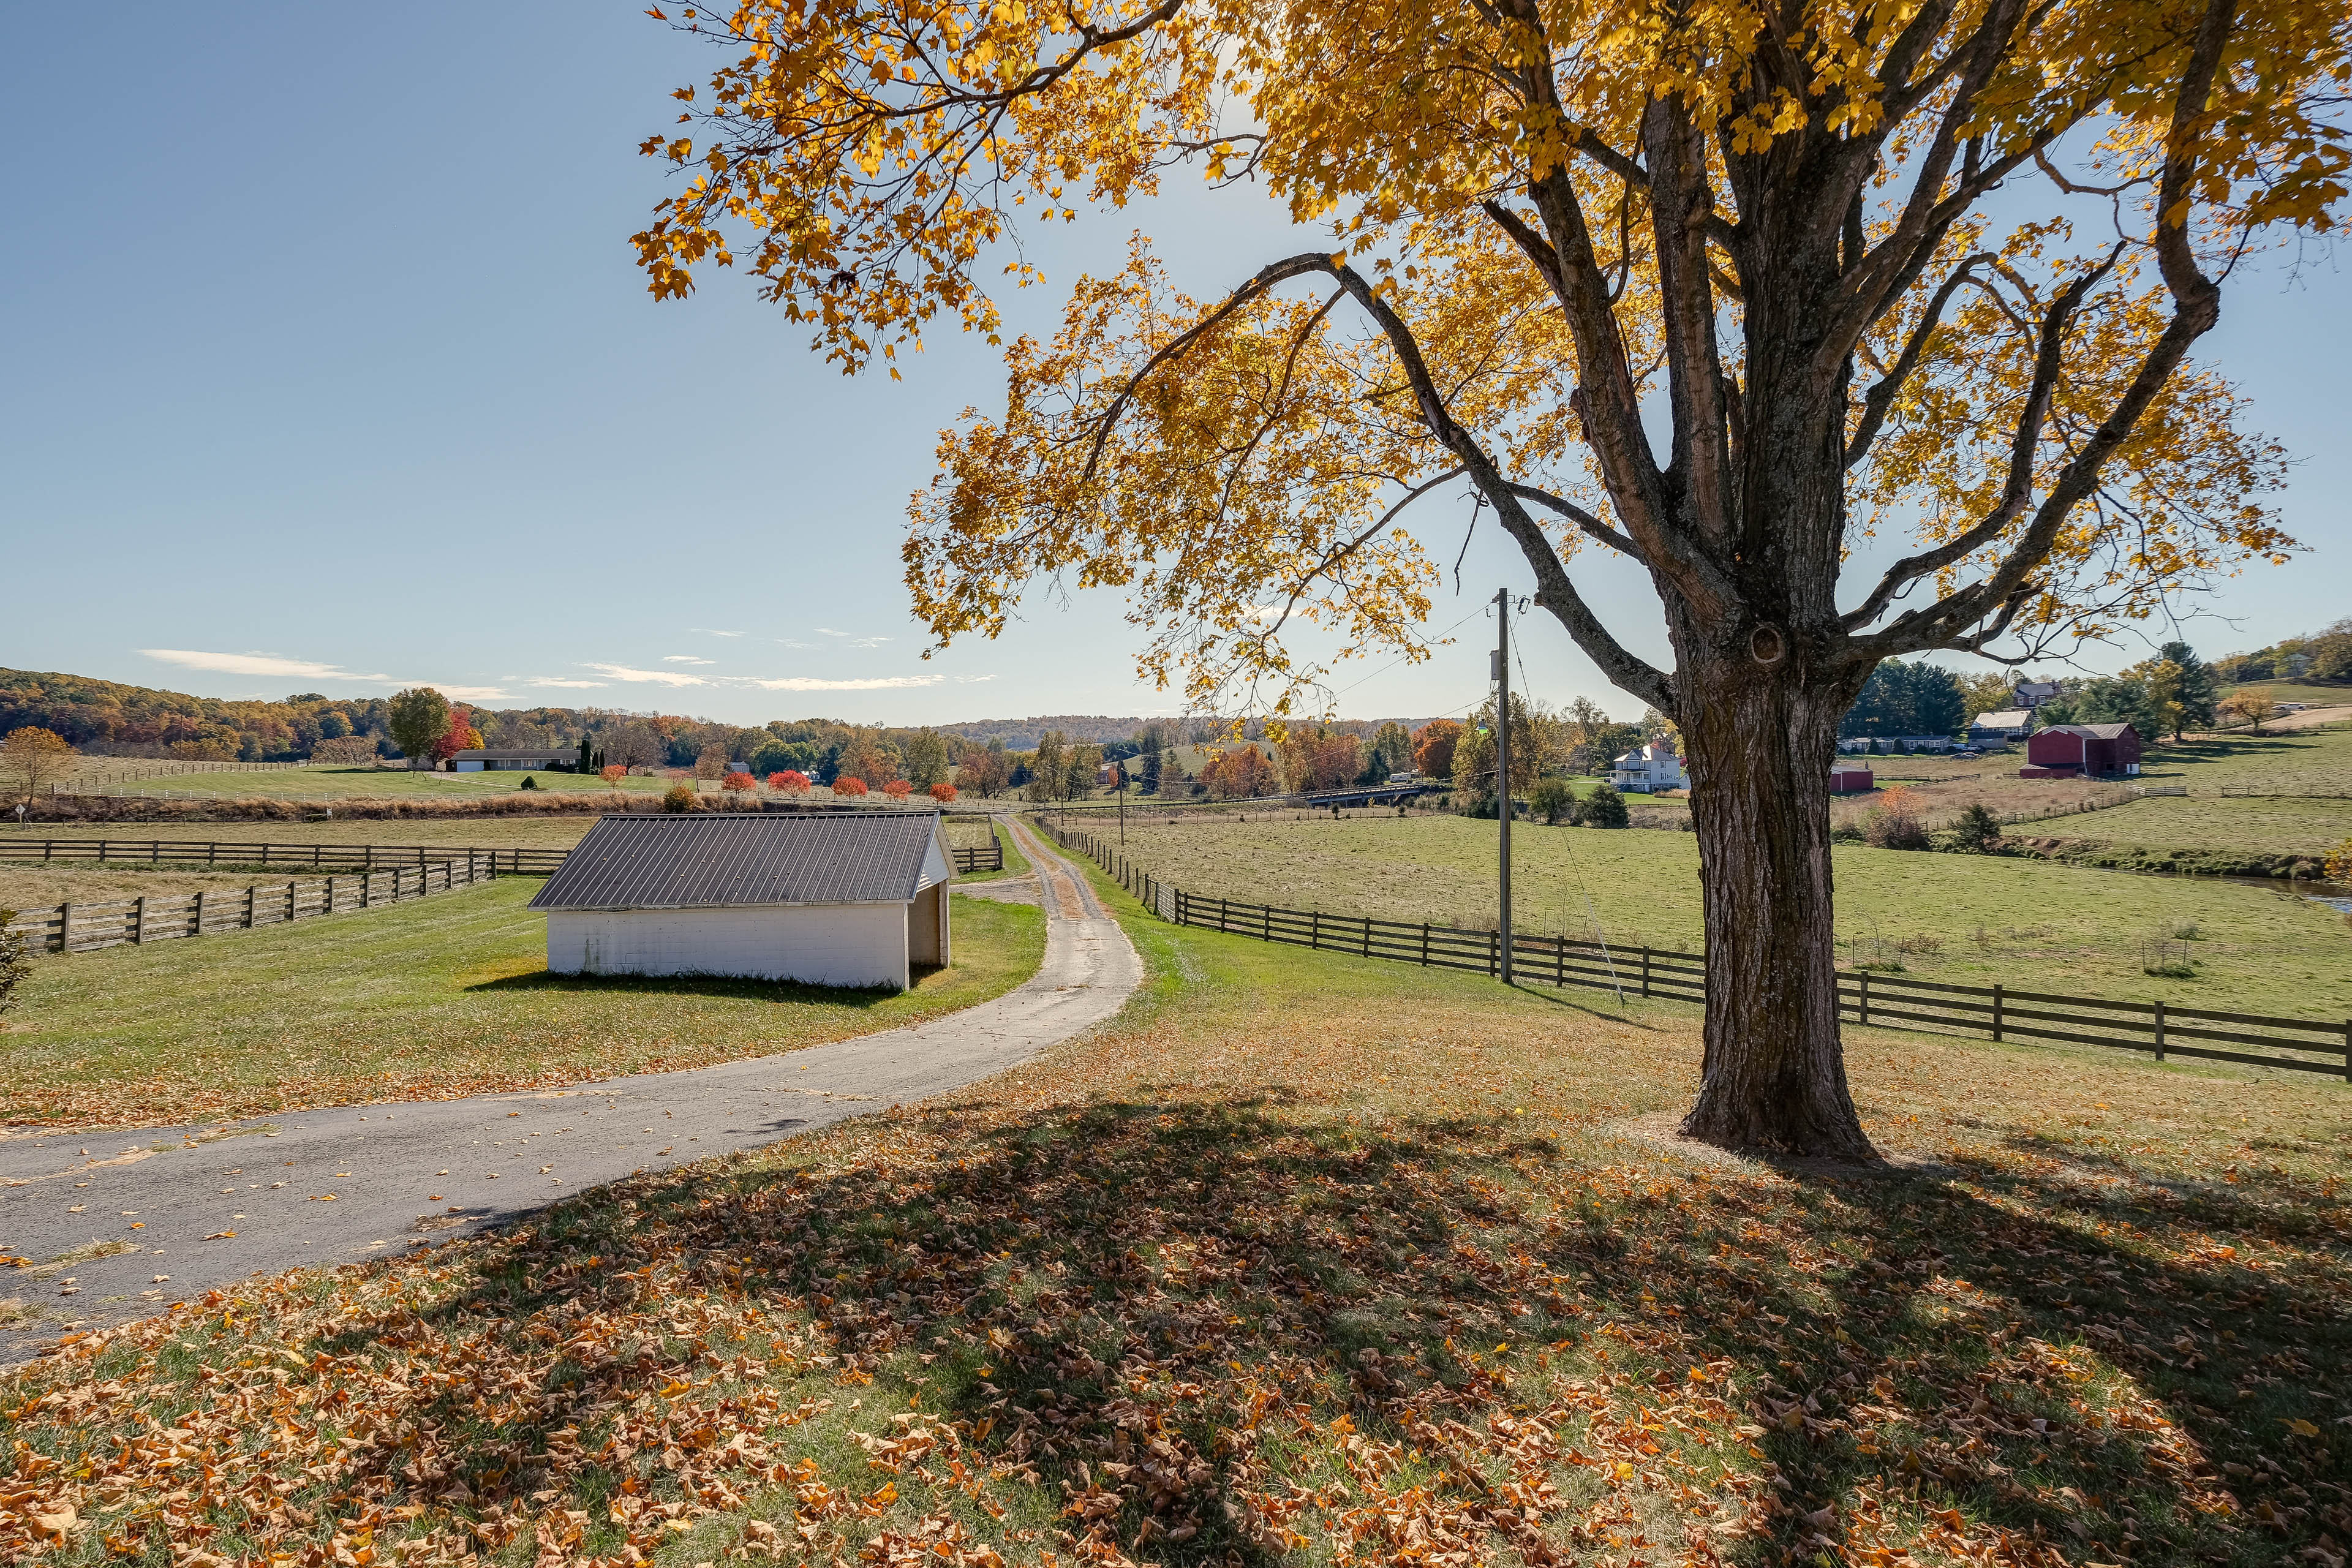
(329,368)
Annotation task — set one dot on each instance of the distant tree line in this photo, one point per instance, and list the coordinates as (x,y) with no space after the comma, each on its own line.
(2323,658)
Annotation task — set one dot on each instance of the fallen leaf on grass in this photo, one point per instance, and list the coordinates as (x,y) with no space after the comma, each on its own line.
(222,1236)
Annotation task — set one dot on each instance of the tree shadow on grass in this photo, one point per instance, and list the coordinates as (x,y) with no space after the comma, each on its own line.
(1221,1328)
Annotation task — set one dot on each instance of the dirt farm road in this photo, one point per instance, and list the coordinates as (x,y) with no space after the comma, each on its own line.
(196,1208)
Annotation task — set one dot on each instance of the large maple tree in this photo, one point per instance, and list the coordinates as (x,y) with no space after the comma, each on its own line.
(1926,267)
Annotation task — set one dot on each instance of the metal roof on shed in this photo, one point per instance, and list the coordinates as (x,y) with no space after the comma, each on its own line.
(728,860)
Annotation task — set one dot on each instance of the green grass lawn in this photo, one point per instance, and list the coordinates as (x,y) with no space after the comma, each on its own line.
(1306,1259)
(2283,825)
(445,996)
(2044,927)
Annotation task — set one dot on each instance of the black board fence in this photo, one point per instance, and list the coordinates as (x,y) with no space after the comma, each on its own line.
(80,927)
(987,856)
(1865,996)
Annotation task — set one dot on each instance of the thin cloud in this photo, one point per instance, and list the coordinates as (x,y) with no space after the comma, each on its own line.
(306,669)
(828,631)
(713,632)
(684,659)
(652,677)
(559,680)
(868,683)
(254,664)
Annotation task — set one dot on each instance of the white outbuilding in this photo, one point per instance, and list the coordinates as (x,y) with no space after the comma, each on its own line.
(826,899)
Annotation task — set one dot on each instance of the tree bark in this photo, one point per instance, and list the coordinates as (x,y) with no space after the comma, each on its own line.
(1761,738)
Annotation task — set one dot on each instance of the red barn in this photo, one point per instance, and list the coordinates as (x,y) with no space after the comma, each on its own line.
(2081,750)
(1851,778)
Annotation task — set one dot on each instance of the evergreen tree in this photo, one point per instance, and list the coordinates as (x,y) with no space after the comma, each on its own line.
(1149,763)
(2198,689)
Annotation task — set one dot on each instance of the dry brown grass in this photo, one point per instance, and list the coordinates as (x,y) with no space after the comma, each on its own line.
(1318,1258)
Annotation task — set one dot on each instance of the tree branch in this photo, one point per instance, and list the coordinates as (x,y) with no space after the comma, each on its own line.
(2197,307)
(1586,521)
(1881,397)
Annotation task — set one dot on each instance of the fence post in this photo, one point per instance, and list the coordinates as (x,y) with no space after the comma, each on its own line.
(1996,1011)
(1367,936)
(2159,1031)
(2347,1050)
(293,905)
(139,921)
(65,927)
(1865,998)
(1425,958)
(249,891)
(1559,963)
(1645,972)
(1495,955)
(199,912)
(1314,928)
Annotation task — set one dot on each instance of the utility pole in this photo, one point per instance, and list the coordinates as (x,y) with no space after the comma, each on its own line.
(1503,761)
(1121,766)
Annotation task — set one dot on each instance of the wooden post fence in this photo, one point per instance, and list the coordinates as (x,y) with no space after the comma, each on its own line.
(1876,1001)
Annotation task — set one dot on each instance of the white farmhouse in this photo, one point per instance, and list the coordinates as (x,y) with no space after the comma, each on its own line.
(829,898)
(1650,770)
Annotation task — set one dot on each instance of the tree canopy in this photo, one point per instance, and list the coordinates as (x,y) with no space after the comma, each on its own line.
(1541,217)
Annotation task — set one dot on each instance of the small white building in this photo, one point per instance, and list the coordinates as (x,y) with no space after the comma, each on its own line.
(1652,769)
(830,899)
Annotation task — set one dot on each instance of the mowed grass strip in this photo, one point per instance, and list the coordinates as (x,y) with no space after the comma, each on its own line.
(444,996)
(2064,930)
(1306,1259)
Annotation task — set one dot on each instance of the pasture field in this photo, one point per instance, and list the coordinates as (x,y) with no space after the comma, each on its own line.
(434,999)
(324,784)
(2281,825)
(2292,763)
(2295,691)
(528,831)
(1308,1259)
(1968,919)
(39,887)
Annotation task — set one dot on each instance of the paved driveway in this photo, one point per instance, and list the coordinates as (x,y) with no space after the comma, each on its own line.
(193,1209)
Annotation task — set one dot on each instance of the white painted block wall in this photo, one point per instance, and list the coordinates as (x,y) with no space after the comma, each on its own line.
(820,945)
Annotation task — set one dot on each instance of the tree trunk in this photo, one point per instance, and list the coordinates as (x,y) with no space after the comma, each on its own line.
(1760,739)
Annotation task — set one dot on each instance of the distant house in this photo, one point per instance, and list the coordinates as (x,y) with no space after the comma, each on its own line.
(2034,694)
(2009,724)
(854,898)
(1851,778)
(1652,769)
(496,760)
(2082,751)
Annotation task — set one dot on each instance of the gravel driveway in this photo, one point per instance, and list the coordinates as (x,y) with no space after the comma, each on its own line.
(119,1223)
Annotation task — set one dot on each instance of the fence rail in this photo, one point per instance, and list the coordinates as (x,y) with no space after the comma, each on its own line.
(987,856)
(82,927)
(2163,1030)
(363,857)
